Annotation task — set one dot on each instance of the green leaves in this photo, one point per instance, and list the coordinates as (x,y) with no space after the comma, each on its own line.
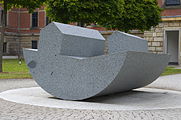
(138,14)
(29,4)
(84,11)
(123,15)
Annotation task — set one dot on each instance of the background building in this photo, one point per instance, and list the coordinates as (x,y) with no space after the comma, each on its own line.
(23,29)
(165,37)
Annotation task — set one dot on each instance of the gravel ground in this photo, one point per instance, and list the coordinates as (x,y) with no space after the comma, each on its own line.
(15,111)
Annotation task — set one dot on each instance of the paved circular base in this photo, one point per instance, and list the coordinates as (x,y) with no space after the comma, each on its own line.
(139,99)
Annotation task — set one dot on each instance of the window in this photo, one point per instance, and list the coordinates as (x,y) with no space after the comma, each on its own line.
(47,20)
(34,44)
(4,47)
(1,18)
(172,2)
(35,19)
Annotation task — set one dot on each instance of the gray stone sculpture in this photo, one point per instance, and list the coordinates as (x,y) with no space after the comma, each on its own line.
(70,63)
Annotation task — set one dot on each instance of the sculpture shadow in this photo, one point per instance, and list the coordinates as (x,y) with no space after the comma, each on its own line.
(129,97)
(126,98)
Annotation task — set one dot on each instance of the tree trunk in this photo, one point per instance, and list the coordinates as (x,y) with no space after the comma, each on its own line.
(1,45)
(3,25)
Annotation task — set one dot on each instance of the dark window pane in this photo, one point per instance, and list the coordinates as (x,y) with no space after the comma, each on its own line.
(4,47)
(35,19)
(172,2)
(47,21)
(1,19)
(34,44)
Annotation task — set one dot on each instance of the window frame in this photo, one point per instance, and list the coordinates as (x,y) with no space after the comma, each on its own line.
(34,20)
(4,47)
(169,5)
(34,42)
(47,20)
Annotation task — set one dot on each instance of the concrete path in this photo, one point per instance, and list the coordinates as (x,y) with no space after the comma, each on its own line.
(138,99)
(171,82)
(15,111)
(7,84)
(10,57)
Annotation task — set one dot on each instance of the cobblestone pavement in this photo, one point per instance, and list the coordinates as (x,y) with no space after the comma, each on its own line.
(15,111)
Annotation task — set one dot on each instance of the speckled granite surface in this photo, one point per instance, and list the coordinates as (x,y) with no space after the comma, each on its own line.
(58,69)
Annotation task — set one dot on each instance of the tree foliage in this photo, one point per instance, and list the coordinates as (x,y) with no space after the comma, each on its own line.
(84,11)
(137,14)
(29,4)
(123,15)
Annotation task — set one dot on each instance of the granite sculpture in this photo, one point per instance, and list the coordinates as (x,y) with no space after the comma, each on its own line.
(70,62)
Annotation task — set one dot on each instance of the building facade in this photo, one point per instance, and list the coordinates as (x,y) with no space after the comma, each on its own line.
(22,29)
(166,37)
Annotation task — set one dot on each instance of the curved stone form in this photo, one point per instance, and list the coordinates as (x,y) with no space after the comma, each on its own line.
(79,77)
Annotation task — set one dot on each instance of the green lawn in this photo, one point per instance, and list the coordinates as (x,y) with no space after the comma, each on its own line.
(12,70)
(171,71)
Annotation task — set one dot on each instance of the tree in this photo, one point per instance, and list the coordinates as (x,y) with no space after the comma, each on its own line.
(83,11)
(138,14)
(8,4)
(123,15)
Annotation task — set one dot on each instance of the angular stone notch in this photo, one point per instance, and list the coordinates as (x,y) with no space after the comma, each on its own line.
(70,63)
